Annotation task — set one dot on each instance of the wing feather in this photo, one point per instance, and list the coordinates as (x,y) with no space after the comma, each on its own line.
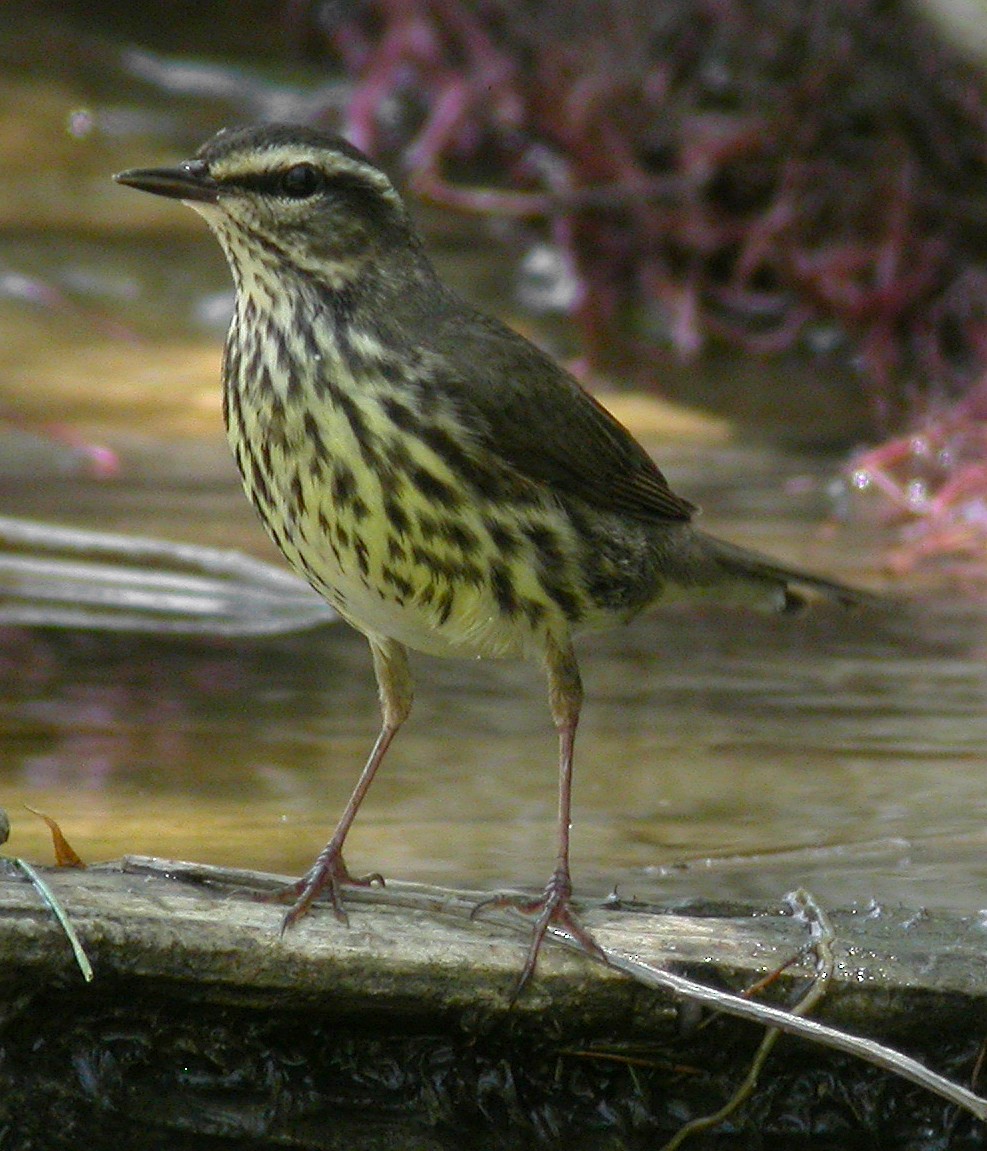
(542,423)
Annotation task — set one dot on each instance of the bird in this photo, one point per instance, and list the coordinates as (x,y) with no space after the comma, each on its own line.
(443,482)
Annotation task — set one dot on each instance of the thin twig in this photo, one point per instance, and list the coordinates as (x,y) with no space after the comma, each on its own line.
(823,938)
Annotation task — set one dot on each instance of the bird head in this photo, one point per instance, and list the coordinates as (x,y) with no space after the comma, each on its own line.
(286,196)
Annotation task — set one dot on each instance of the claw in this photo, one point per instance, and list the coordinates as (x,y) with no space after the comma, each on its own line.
(329,874)
(553,908)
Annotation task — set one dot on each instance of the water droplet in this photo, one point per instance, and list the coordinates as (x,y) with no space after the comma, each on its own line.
(917,495)
(81,123)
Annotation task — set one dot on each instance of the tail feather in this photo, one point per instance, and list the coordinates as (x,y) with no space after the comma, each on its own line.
(793,581)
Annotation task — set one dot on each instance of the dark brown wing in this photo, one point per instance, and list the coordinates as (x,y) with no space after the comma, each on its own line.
(544,425)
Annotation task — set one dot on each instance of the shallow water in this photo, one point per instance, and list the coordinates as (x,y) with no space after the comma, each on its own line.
(841,750)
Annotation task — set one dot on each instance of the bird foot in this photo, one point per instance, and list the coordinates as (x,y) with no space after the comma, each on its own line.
(554,908)
(327,876)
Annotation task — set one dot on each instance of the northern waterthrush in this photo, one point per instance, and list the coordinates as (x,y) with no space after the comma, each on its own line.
(439,479)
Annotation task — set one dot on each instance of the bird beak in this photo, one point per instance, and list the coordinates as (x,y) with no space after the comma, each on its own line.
(189,181)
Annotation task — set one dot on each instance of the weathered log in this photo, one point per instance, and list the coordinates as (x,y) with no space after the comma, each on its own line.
(203,1019)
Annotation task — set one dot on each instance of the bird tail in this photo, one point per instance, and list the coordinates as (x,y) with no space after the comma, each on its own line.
(792,582)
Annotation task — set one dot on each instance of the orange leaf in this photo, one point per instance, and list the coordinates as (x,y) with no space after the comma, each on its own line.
(65,855)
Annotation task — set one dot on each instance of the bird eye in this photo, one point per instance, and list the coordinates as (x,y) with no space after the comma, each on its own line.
(301,181)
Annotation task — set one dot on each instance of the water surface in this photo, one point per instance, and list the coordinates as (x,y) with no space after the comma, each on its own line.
(842,748)
(845,750)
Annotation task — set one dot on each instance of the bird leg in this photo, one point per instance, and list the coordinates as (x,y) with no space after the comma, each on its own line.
(329,873)
(565,693)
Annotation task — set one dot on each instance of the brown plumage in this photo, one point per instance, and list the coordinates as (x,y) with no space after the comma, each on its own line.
(439,479)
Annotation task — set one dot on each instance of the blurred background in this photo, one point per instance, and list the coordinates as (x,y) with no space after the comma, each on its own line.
(754,229)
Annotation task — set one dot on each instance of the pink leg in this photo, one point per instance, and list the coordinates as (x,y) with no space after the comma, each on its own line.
(565,692)
(329,872)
